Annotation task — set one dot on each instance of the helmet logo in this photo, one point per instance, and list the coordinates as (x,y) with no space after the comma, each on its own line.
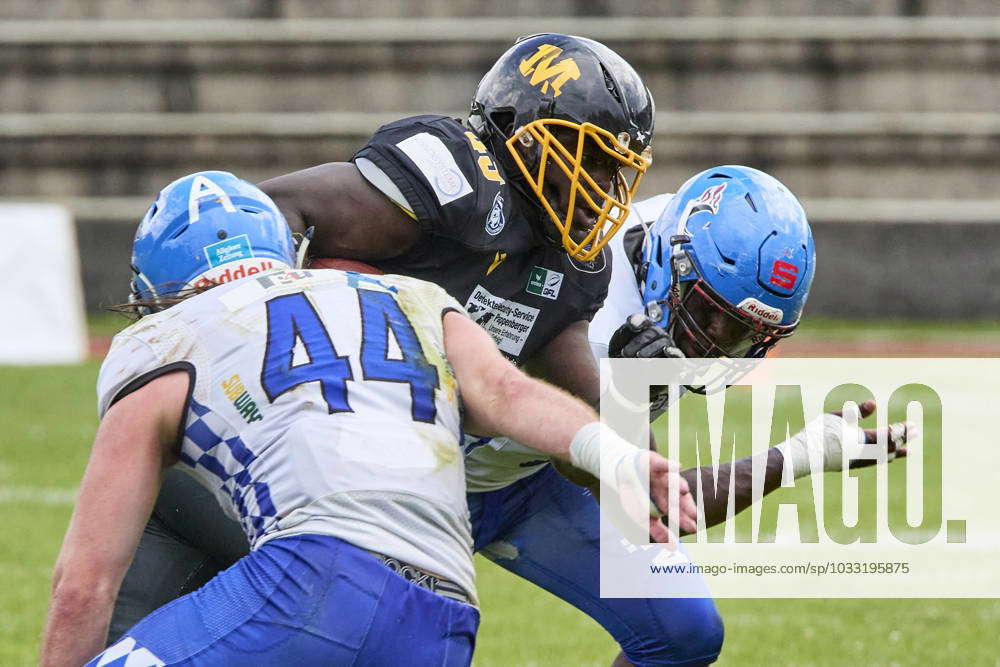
(709,200)
(543,70)
(202,187)
(784,274)
(755,308)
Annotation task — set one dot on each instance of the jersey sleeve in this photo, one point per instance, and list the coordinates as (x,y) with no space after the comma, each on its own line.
(596,304)
(132,362)
(433,299)
(445,175)
(447,303)
(129,358)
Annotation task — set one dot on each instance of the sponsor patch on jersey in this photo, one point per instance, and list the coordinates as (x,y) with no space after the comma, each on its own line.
(509,322)
(241,399)
(495,220)
(228,250)
(752,306)
(544,282)
(438,166)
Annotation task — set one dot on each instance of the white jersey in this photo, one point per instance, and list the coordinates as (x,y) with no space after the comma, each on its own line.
(321,403)
(493,463)
(624,298)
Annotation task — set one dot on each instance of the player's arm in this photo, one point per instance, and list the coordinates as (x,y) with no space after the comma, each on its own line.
(135,441)
(568,361)
(713,494)
(488,383)
(639,338)
(352,218)
(500,400)
(826,438)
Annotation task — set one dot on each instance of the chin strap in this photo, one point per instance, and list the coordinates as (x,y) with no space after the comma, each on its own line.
(300,253)
(134,297)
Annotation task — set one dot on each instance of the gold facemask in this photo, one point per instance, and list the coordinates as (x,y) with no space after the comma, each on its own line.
(611,208)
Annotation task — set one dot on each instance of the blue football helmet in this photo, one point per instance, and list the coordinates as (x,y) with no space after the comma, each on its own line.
(728,264)
(207,228)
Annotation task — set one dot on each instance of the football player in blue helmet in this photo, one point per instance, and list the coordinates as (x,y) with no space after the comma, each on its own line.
(206,228)
(508,212)
(726,269)
(723,269)
(351,494)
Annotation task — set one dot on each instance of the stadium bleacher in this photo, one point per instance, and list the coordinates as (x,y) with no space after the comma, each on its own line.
(880,115)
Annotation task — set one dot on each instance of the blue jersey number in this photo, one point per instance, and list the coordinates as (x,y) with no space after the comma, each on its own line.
(291,318)
(380,314)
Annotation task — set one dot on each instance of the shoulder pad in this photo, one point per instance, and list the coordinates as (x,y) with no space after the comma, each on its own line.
(446,174)
(129,358)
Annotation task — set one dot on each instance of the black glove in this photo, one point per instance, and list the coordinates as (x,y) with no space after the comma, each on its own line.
(640,338)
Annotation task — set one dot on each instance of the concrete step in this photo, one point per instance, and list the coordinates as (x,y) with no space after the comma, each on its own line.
(749,64)
(134,9)
(906,259)
(854,155)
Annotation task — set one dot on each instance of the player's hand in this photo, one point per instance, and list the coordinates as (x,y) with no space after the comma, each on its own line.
(897,435)
(640,338)
(832,438)
(664,475)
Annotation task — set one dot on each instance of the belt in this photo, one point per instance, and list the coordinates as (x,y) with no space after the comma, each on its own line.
(423,579)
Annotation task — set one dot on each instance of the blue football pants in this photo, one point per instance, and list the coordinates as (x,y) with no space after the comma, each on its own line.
(303,600)
(546,529)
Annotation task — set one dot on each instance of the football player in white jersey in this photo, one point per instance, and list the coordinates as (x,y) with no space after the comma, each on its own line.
(724,268)
(324,409)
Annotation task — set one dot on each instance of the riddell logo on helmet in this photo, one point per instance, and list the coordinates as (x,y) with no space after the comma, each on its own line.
(753,307)
(232,272)
(543,70)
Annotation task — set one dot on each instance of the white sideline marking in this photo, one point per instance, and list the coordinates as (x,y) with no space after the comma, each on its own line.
(53,495)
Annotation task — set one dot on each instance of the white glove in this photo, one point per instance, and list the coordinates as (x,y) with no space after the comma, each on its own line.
(618,458)
(829,436)
(639,477)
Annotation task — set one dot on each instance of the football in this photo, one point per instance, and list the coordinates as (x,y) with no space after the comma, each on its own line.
(344,265)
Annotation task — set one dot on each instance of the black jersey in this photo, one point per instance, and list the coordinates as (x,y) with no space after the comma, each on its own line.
(476,242)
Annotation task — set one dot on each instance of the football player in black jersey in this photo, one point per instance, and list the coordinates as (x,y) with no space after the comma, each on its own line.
(510,213)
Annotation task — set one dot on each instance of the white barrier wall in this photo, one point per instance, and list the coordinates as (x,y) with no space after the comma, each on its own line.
(41,299)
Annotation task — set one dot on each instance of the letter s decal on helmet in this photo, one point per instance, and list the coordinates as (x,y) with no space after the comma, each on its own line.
(730,262)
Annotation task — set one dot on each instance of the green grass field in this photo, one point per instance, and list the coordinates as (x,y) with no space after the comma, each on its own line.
(48,414)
